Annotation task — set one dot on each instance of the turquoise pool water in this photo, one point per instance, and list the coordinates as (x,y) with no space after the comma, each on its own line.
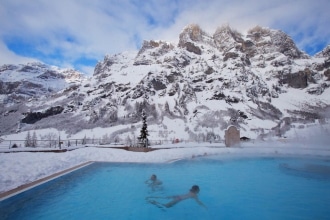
(231,188)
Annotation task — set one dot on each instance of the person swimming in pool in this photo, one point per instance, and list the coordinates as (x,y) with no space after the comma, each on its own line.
(153,181)
(193,194)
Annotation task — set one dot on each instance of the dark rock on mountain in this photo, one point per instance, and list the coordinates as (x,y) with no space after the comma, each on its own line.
(33,117)
(297,80)
(327,74)
(192,48)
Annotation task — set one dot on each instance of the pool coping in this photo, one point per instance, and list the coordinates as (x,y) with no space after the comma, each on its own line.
(35,183)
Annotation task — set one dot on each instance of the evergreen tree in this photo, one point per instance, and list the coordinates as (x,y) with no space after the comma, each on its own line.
(34,139)
(28,140)
(167,107)
(144,131)
(128,140)
(84,141)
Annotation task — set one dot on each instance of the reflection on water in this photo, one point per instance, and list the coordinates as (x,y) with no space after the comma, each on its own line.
(318,171)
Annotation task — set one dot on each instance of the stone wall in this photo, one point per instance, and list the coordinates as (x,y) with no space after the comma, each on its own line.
(232,136)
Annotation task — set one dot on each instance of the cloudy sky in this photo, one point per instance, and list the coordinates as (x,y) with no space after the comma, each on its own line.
(78,33)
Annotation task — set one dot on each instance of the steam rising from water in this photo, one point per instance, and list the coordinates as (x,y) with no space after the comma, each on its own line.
(315,137)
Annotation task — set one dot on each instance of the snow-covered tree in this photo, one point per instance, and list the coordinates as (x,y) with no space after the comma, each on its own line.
(84,141)
(34,139)
(116,139)
(143,138)
(28,140)
(50,138)
(19,125)
(105,139)
(128,140)
(167,107)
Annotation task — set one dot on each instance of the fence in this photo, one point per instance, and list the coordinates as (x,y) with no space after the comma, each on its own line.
(61,144)
(43,143)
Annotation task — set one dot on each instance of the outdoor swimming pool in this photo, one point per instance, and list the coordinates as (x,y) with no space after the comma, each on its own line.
(231,188)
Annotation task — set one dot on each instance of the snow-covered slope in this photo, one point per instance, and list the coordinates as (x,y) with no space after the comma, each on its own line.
(259,81)
(35,79)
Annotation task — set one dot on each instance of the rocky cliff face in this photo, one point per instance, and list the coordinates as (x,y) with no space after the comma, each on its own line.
(34,79)
(260,82)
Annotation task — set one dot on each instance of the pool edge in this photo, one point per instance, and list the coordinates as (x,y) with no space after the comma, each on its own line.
(30,185)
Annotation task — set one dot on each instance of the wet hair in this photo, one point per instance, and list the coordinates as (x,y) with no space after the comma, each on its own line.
(194,189)
(153,176)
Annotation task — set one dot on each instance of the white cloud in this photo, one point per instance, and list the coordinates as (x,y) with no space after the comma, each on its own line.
(8,57)
(296,18)
(88,70)
(70,29)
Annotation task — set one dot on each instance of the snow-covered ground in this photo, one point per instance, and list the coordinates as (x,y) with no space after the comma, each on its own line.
(17,169)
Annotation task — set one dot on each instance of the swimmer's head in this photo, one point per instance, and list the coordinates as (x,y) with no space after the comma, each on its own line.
(194,189)
(153,177)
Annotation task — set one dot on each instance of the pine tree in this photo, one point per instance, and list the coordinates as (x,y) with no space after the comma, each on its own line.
(167,107)
(28,141)
(84,141)
(34,139)
(128,140)
(144,131)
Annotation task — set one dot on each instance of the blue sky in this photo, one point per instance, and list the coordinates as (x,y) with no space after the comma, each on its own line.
(78,33)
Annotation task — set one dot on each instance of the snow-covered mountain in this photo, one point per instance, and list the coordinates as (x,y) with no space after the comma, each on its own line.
(34,79)
(259,81)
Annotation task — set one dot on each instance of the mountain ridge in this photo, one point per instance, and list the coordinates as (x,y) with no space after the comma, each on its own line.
(260,82)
